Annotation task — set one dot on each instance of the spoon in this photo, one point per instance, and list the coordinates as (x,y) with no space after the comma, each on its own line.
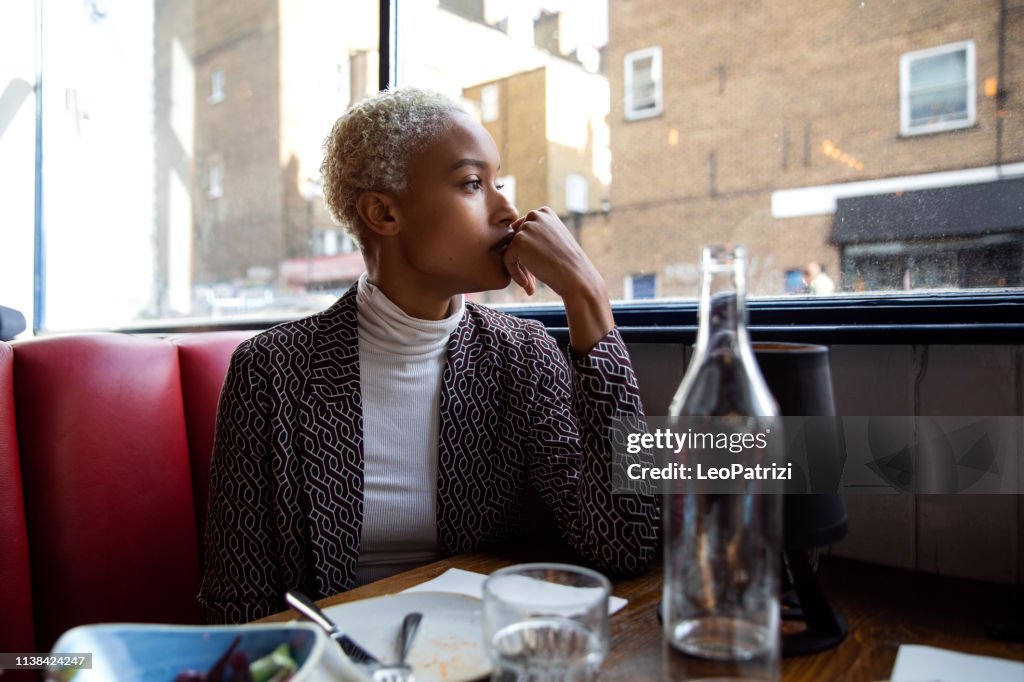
(401,671)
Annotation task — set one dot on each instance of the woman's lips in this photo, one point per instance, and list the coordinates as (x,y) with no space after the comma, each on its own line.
(503,243)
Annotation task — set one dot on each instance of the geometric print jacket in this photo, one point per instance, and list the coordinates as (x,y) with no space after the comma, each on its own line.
(286,479)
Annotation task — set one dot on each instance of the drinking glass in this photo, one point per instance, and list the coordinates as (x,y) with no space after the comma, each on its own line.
(546,622)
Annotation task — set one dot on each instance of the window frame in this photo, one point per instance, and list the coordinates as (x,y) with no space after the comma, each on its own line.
(629,286)
(974,317)
(907,129)
(215,179)
(217,80)
(628,60)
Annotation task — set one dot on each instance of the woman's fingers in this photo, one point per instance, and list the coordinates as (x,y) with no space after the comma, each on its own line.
(545,251)
(520,275)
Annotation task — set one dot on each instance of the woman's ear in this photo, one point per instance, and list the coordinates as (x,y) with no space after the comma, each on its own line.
(378,211)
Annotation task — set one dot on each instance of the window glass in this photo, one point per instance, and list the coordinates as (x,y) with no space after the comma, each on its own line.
(938,88)
(643,83)
(848,145)
(182,141)
(881,144)
(641,286)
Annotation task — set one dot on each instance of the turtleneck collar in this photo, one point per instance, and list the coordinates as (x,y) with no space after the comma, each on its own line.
(386,327)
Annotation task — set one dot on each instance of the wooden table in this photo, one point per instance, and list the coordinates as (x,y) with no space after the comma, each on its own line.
(885,608)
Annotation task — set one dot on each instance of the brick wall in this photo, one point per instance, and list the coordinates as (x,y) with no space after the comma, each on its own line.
(244,227)
(760,87)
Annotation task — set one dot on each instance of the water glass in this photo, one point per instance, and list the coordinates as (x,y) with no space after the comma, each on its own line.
(546,623)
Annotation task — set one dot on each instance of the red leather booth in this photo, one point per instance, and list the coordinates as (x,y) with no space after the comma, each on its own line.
(105,442)
(16,625)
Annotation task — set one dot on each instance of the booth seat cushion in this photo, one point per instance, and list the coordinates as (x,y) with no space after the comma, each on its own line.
(108,487)
(16,629)
(204,360)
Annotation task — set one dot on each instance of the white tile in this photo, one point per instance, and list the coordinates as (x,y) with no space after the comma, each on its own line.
(969,536)
(1020,540)
(882,530)
(968,381)
(873,380)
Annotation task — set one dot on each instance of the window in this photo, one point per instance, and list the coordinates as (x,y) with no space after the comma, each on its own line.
(643,83)
(937,89)
(489,103)
(576,193)
(215,181)
(216,86)
(641,287)
(677,127)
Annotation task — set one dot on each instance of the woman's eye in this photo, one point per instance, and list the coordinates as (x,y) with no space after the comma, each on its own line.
(499,186)
(473,185)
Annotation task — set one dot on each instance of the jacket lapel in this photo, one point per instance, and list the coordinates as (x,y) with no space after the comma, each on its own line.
(331,428)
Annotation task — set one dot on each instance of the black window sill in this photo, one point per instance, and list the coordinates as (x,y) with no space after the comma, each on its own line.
(946,318)
(991,317)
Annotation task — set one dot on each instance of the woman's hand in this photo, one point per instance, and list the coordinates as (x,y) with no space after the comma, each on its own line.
(544,249)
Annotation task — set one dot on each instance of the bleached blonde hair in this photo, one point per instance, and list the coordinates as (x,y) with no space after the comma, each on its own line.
(370,145)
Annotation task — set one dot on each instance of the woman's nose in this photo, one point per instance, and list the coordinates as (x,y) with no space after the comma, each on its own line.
(506,213)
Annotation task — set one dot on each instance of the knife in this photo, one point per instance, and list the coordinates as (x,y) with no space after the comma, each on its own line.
(304,605)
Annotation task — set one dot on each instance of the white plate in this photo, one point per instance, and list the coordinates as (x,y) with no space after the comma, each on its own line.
(448,646)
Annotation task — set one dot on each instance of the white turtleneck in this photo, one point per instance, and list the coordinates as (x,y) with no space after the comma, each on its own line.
(401,363)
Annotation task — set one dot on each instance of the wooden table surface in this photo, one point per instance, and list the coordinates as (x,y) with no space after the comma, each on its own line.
(885,608)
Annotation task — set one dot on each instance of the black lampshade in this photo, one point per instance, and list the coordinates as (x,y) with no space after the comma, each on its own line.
(801,381)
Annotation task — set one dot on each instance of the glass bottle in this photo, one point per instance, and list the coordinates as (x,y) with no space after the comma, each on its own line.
(722,549)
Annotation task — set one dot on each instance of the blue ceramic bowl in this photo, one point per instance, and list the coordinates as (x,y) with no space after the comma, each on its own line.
(157,653)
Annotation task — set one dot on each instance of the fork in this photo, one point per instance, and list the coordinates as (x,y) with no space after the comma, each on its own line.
(401,671)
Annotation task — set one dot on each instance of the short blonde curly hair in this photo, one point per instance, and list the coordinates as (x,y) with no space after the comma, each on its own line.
(369,147)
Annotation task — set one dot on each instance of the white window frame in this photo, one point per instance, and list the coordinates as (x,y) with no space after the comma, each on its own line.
(906,59)
(490,103)
(216,86)
(654,53)
(627,287)
(215,181)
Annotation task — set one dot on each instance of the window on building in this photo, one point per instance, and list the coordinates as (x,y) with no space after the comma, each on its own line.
(216,86)
(643,83)
(639,287)
(937,89)
(489,103)
(576,199)
(362,65)
(215,181)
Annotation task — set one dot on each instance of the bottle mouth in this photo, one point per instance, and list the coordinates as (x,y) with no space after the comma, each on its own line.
(722,257)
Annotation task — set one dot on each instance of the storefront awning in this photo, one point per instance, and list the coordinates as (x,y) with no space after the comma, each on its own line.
(949,212)
(339,268)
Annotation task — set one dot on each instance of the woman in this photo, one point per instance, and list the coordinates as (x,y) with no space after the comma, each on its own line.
(403,423)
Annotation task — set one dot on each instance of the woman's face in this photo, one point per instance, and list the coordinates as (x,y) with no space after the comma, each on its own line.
(454,223)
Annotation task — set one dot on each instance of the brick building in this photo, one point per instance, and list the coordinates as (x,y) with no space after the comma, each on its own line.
(244,93)
(792,126)
(554,152)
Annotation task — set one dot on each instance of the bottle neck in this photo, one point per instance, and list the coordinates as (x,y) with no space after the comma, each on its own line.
(722,321)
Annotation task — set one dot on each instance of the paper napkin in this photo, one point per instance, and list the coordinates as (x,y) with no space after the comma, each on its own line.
(472,584)
(917,663)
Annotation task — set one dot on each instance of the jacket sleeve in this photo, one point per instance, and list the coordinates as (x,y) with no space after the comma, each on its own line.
(578,397)
(241,579)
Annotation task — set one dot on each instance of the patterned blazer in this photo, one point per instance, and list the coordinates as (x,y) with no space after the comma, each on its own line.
(286,486)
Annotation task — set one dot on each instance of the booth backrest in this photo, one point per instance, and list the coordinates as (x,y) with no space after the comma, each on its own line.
(115,433)
(204,360)
(16,625)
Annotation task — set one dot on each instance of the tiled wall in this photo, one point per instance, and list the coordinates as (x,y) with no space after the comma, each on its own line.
(971,536)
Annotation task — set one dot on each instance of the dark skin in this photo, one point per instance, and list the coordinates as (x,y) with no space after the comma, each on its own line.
(451,231)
